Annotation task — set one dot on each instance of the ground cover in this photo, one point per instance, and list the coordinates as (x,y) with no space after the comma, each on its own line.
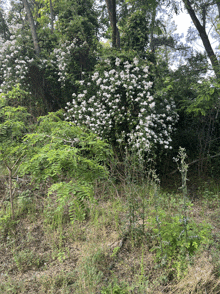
(115,249)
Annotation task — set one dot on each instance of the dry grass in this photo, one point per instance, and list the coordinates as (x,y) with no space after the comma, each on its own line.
(86,257)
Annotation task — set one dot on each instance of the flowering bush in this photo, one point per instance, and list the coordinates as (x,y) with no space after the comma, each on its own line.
(65,59)
(15,59)
(117,104)
(50,77)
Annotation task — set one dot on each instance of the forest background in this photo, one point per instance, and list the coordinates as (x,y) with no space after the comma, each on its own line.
(96,95)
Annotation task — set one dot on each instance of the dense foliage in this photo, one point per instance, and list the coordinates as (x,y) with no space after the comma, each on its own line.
(117,104)
(53,57)
(66,158)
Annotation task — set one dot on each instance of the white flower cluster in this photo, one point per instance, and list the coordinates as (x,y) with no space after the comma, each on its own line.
(14,65)
(63,56)
(16,58)
(117,105)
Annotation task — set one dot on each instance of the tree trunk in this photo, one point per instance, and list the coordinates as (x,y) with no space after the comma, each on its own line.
(114,23)
(32,26)
(152,30)
(218,5)
(51,16)
(111,5)
(204,37)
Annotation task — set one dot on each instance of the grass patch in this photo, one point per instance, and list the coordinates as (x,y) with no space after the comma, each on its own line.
(116,249)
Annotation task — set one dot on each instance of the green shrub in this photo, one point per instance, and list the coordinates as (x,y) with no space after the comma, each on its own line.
(174,241)
(68,159)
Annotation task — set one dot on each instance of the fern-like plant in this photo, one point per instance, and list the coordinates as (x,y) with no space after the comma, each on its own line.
(69,159)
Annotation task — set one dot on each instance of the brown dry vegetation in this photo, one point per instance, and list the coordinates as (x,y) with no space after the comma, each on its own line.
(38,255)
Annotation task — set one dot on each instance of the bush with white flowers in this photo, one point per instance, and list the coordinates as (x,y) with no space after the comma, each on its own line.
(14,59)
(117,105)
(66,58)
(17,56)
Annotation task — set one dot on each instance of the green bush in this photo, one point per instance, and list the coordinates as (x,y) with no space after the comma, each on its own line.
(68,159)
(175,242)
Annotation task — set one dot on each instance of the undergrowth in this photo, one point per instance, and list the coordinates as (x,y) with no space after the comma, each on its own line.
(110,237)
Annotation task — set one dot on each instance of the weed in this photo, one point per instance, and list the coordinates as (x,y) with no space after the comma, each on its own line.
(63,281)
(25,202)
(174,241)
(115,288)
(27,259)
(183,168)
(215,256)
(178,238)
(157,219)
(91,272)
(12,286)
(115,251)
(7,224)
(61,255)
(141,276)
(138,182)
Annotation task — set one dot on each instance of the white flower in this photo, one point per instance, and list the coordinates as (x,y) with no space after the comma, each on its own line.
(95,76)
(152,105)
(98,81)
(145,69)
(108,61)
(136,69)
(122,74)
(112,71)
(136,61)
(117,61)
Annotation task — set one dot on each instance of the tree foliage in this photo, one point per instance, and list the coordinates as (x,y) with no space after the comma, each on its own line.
(48,48)
(39,73)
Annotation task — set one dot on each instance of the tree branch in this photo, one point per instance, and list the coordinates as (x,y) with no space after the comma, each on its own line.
(204,38)
(213,156)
